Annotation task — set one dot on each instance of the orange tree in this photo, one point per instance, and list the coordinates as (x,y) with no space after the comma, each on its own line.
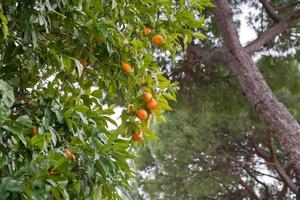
(65,66)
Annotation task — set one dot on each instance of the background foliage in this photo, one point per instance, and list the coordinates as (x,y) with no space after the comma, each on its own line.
(206,151)
(206,146)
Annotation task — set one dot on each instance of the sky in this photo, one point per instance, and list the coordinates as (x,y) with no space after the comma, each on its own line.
(246,34)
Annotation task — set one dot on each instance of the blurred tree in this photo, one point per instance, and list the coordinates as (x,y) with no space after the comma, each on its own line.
(214,145)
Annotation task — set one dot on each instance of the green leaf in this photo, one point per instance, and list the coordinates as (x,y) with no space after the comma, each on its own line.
(25,121)
(169,96)
(107,165)
(81,108)
(79,66)
(9,184)
(97,93)
(110,120)
(34,36)
(114,4)
(4,25)
(8,97)
(199,36)
(38,141)
(98,5)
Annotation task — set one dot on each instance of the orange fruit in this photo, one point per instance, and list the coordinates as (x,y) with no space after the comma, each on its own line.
(142,82)
(147,96)
(83,62)
(138,137)
(34,131)
(142,114)
(147,31)
(69,154)
(158,40)
(152,104)
(127,68)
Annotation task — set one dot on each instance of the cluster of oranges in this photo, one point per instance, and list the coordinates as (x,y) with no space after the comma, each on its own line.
(158,40)
(151,104)
(142,114)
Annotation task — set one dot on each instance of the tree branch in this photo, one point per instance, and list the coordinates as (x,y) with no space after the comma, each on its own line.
(246,168)
(260,153)
(280,170)
(271,33)
(208,58)
(284,7)
(283,192)
(219,55)
(272,13)
(249,189)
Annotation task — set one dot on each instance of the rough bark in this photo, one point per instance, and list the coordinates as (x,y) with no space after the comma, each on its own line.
(274,113)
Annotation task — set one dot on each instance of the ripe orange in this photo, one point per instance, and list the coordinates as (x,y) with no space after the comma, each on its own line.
(142,114)
(83,62)
(158,40)
(127,68)
(147,31)
(34,131)
(69,154)
(138,137)
(152,104)
(147,96)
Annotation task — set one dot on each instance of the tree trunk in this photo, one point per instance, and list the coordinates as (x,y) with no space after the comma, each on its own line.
(274,113)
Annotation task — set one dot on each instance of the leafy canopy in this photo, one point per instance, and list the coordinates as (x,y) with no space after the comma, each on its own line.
(61,79)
